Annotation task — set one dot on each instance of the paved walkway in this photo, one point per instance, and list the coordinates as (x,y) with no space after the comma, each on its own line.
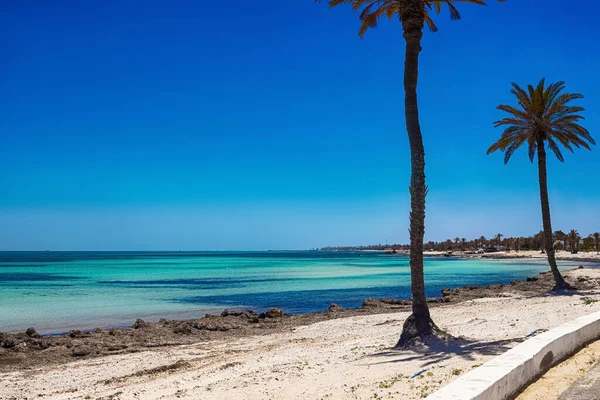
(586,387)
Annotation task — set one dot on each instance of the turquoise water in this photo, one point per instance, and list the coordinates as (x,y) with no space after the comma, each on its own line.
(57,291)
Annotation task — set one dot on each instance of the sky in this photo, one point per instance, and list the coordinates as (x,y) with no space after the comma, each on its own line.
(187,125)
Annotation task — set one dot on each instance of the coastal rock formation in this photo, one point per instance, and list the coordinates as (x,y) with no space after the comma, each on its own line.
(274,313)
(32,333)
(248,314)
(335,308)
(8,343)
(81,351)
(368,303)
(183,329)
(139,323)
(396,302)
(76,333)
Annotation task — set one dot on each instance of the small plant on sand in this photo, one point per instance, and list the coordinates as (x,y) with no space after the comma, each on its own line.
(457,371)
(424,391)
(475,366)
(389,383)
(588,301)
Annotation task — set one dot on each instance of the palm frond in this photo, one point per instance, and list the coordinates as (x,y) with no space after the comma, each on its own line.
(543,115)
(371,10)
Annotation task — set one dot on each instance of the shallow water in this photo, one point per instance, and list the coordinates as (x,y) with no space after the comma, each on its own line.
(57,291)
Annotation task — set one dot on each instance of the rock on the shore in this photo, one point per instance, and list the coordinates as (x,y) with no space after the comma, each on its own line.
(183,329)
(248,314)
(335,308)
(446,292)
(211,325)
(274,313)
(8,343)
(38,344)
(396,302)
(32,333)
(81,351)
(368,303)
(139,323)
(75,333)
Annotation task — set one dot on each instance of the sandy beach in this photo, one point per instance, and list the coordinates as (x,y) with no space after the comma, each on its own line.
(340,358)
(560,255)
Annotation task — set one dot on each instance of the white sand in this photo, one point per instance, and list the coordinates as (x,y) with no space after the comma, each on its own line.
(346,358)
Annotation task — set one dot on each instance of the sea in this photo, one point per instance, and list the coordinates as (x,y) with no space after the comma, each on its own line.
(58,291)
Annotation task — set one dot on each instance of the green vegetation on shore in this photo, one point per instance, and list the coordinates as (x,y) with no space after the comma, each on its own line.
(572,242)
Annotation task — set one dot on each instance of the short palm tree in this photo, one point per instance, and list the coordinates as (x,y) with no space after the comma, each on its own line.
(414,15)
(543,118)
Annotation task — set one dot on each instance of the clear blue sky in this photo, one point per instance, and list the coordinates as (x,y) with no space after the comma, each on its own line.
(269,125)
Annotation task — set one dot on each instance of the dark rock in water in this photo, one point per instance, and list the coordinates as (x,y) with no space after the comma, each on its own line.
(32,333)
(262,315)
(113,332)
(274,313)
(371,303)
(513,283)
(396,302)
(532,278)
(496,286)
(473,287)
(580,267)
(76,333)
(139,323)
(163,321)
(81,351)
(335,308)
(97,330)
(8,343)
(446,292)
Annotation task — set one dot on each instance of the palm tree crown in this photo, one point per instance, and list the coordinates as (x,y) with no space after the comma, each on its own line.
(544,116)
(372,10)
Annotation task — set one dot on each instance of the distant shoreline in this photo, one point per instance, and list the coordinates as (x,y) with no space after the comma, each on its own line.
(512,255)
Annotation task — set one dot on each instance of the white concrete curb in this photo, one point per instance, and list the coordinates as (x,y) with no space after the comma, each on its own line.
(508,373)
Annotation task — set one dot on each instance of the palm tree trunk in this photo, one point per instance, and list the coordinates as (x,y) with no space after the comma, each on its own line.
(543,178)
(419,324)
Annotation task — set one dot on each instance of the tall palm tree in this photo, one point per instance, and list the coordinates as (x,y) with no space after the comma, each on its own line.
(596,236)
(413,14)
(544,117)
(499,237)
(574,239)
(482,241)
